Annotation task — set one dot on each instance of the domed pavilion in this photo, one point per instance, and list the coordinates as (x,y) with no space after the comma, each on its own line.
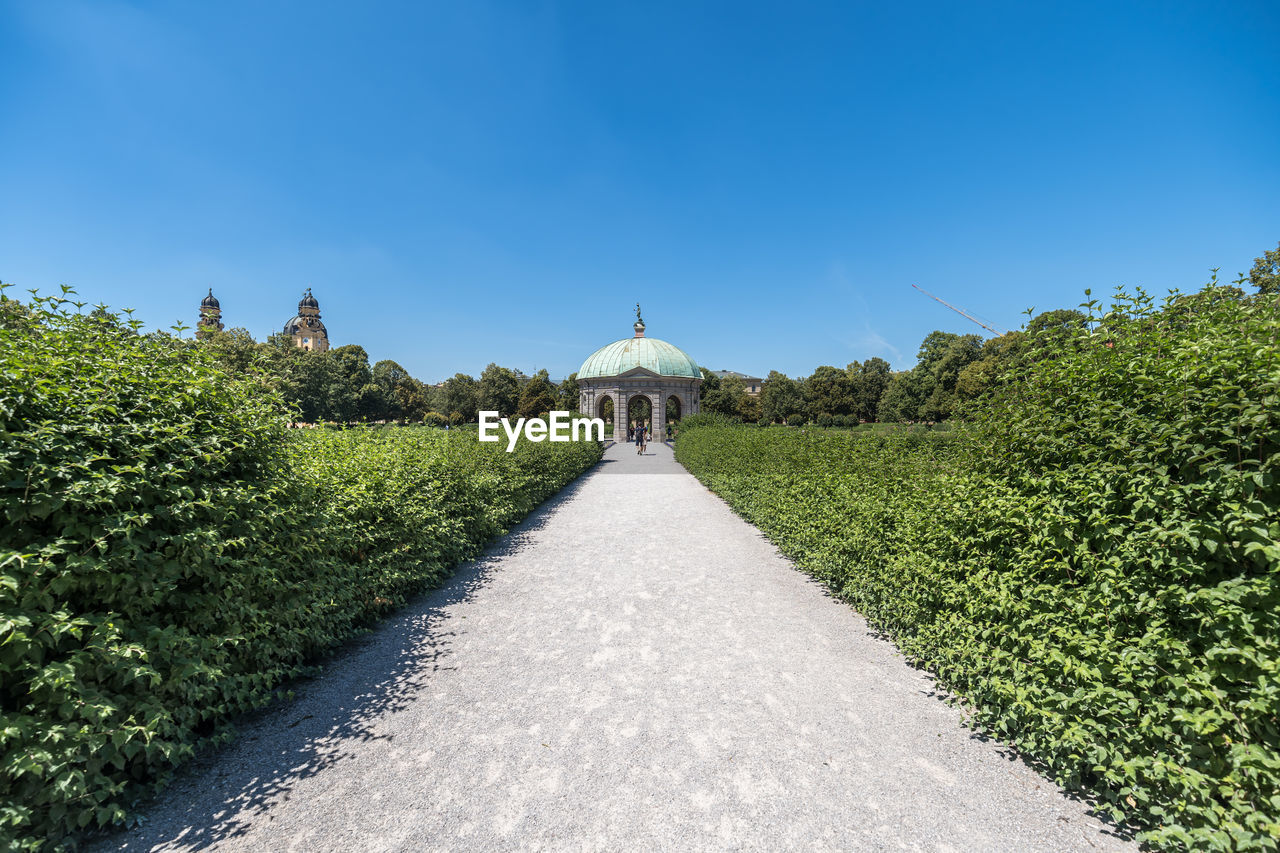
(639,380)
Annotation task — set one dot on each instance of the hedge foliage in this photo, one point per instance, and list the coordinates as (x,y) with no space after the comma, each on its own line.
(1092,564)
(170,554)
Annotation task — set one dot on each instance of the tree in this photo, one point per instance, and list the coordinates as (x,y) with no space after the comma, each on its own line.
(336,385)
(933,346)
(728,399)
(829,391)
(395,385)
(316,386)
(567,395)
(998,354)
(710,382)
(433,398)
(903,397)
(538,397)
(928,390)
(962,351)
(351,392)
(235,349)
(869,381)
(373,403)
(779,398)
(413,399)
(1265,274)
(353,364)
(389,374)
(939,405)
(499,390)
(461,398)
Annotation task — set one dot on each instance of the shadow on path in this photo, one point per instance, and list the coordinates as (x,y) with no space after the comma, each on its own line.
(332,713)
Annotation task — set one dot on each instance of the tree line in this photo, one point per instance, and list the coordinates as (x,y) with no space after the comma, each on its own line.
(951,370)
(341,385)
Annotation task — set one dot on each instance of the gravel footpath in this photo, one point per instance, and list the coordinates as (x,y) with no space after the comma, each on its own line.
(634,667)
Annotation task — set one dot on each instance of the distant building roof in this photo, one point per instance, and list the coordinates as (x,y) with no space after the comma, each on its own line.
(724,374)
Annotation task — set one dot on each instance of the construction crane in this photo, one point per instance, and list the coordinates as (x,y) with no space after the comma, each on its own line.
(964,314)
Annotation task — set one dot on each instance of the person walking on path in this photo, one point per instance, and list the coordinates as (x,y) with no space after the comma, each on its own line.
(668,430)
(639,440)
(644,439)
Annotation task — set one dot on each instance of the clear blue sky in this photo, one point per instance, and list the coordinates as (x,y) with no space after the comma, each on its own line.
(466,182)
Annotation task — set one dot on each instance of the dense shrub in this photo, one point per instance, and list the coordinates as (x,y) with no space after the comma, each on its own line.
(400,508)
(170,554)
(1092,563)
(705,419)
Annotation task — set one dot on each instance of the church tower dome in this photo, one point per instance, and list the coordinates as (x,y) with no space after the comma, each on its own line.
(306,329)
(210,315)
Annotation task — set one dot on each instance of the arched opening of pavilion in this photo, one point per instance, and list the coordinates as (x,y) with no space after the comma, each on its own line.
(639,412)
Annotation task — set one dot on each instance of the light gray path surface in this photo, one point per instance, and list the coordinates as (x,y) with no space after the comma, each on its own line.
(634,668)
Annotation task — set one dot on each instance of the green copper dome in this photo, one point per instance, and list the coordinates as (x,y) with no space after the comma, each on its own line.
(652,354)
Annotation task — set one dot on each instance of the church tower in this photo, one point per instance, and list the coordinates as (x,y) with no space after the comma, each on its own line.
(210,315)
(306,329)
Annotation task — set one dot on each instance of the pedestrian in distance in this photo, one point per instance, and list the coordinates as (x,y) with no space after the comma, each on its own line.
(639,440)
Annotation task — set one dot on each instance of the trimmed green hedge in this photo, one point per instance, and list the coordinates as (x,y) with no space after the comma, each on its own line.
(1092,564)
(171,554)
